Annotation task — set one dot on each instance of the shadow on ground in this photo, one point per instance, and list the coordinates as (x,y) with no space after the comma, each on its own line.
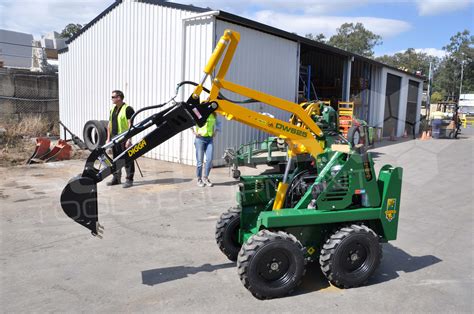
(161,275)
(161,181)
(394,260)
(227,183)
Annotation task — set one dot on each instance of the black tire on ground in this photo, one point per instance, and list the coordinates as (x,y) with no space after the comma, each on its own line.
(271,264)
(105,124)
(227,232)
(236,173)
(354,136)
(94,134)
(350,256)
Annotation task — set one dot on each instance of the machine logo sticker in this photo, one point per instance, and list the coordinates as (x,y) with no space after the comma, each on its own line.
(136,148)
(391,211)
(290,129)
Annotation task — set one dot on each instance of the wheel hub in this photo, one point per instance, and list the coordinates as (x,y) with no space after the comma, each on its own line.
(354,257)
(274,266)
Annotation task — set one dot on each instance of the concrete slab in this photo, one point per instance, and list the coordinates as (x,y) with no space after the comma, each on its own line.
(159,252)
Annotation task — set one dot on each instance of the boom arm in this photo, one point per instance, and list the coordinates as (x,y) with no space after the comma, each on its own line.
(79,197)
(300,139)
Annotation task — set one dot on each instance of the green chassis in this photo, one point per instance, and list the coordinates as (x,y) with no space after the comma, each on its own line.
(338,203)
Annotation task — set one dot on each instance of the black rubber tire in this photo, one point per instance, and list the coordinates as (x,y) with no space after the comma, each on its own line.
(354,136)
(259,261)
(227,232)
(236,174)
(95,133)
(337,253)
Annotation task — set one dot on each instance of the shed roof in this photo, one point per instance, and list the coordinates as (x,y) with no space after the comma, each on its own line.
(225,16)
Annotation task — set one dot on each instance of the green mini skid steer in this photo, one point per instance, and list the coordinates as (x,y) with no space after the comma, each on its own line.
(327,206)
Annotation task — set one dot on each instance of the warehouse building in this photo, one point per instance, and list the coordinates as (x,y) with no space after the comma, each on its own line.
(146,47)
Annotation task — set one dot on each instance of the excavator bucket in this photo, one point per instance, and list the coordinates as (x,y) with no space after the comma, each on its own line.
(79,202)
(41,149)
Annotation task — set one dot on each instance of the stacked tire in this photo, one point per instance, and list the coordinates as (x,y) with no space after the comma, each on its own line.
(95,133)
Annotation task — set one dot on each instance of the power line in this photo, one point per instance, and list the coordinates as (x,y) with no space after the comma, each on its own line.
(29,99)
(14,44)
(16,56)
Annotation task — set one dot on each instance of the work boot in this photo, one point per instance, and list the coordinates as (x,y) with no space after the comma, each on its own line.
(127,184)
(200,183)
(114,181)
(207,182)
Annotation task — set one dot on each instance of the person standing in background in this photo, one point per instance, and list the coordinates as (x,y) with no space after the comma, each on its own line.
(205,146)
(119,122)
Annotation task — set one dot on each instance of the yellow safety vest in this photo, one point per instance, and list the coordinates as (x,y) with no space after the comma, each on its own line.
(122,121)
(207,130)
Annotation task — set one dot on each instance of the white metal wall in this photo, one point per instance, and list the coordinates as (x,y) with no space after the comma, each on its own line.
(135,48)
(138,48)
(15,49)
(263,62)
(198,46)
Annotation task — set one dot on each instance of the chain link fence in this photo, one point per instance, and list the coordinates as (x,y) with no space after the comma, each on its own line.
(24,93)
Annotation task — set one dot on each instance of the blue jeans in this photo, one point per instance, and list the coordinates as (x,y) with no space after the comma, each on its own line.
(203,146)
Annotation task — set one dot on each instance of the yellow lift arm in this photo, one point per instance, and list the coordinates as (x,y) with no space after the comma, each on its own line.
(301,139)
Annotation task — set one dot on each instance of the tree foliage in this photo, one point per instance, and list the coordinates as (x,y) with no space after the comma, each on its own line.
(319,37)
(411,61)
(446,71)
(436,97)
(351,37)
(355,38)
(70,30)
(447,78)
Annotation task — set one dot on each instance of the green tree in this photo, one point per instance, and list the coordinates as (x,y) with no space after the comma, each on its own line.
(70,30)
(319,37)
(411,61)
(447,78)
(355,38)
(436,97)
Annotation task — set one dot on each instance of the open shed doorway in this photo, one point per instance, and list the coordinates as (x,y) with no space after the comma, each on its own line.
(361,77)
(321,75)
(392,104)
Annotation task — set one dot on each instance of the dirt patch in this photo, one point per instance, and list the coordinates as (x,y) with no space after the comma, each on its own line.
(16,154)
(17,140)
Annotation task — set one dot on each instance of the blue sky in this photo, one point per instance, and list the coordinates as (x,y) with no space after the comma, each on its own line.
(426,25)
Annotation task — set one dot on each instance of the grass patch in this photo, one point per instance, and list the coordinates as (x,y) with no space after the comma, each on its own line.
(17,143)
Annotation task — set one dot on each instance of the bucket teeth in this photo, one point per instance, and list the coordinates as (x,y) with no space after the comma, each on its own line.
(100,231)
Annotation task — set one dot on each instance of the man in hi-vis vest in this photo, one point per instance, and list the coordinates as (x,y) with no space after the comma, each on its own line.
(119,122)
(204,146)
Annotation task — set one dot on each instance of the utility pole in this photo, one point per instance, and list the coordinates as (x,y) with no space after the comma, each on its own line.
(428,93)
(462,72)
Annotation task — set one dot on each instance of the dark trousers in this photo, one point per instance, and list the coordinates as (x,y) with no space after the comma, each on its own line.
(129,166)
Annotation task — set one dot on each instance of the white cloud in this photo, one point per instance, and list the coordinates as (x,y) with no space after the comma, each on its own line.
(307,6)
(438,7)
(304,24)
(435,52)
(432,52)
(41,17)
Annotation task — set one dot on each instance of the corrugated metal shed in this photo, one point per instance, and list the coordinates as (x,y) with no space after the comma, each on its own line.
(143,50)
(146,47)
(136,48)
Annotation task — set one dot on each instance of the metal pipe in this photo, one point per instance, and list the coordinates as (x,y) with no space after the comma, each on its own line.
(287,169)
